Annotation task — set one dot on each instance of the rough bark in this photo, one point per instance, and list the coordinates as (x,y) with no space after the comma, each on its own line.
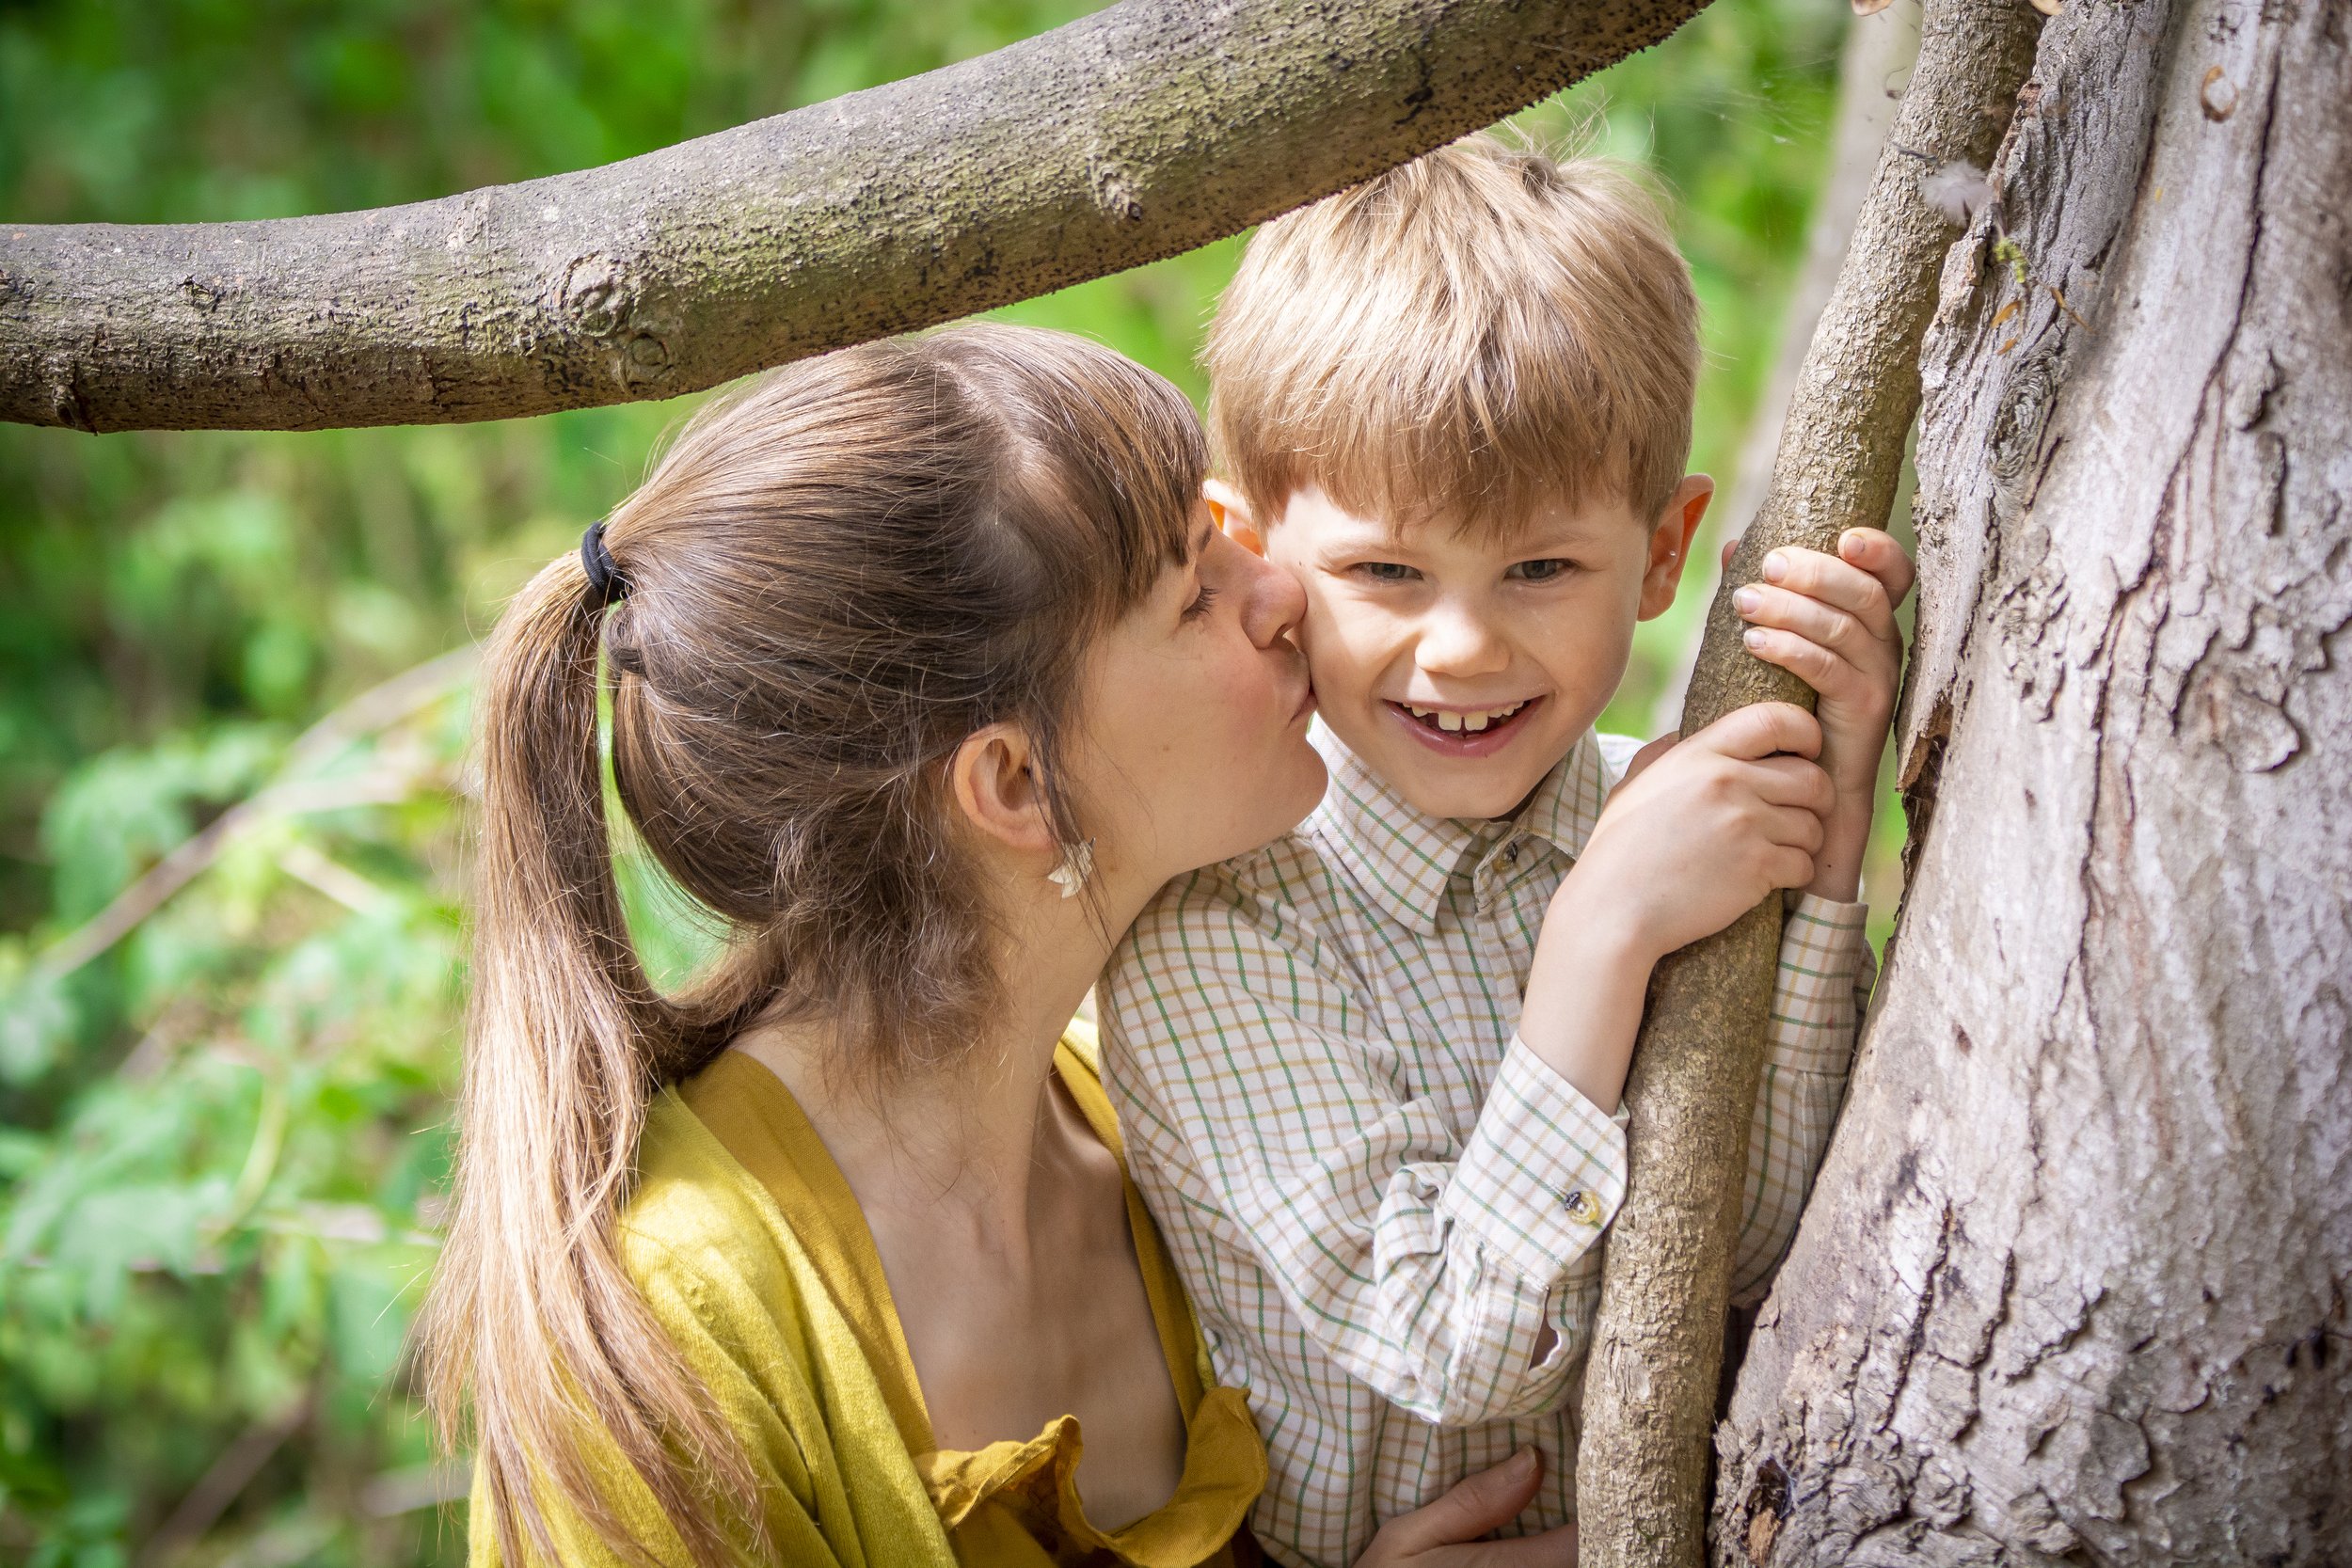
(2072,1284)
(1146,129)
(1649,1393)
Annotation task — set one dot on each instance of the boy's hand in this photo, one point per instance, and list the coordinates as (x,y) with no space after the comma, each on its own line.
(1697,833)
(1451,1532)
(1830,621)
(1701,829)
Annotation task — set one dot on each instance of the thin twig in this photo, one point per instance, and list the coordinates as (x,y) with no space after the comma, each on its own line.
(378,709)
(223,1483)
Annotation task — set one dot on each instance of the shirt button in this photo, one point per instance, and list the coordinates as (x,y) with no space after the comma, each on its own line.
(1581,1207)
(1511,855)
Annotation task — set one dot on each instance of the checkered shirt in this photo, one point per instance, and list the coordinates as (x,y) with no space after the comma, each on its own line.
(1378,1196)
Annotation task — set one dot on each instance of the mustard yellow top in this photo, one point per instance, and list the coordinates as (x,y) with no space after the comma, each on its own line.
(753,1256)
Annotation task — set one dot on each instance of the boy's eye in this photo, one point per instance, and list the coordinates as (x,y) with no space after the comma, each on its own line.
(1540,571)
(1200,602)
(1387,571)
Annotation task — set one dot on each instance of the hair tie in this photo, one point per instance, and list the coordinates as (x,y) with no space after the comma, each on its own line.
(604,579)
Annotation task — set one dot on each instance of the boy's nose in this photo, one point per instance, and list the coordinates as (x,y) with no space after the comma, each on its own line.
(1456,641)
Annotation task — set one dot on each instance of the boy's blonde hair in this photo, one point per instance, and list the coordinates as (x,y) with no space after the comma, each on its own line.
(1465,337)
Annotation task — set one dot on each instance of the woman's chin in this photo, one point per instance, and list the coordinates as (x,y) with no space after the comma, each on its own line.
(1295,798)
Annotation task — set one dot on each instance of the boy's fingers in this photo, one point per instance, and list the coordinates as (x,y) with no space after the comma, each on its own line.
(1840,630)
(1762,729)
(1476,1506)
(1729,544)
(1786,781)
(1795,828)
(1790,867)
(1648,755)
(1875,552)
(1829,675)
(1811,574)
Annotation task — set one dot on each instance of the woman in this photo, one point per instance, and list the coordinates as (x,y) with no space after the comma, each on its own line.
(927,670)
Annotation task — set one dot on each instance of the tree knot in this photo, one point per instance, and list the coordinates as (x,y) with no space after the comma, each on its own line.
(1115,190)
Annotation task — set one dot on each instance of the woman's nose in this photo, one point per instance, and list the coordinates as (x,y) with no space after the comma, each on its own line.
(1274,604)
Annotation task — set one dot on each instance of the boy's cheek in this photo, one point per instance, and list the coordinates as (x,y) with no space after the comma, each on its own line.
(1338,636)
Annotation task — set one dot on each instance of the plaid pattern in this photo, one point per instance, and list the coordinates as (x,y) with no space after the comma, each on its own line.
(1378,1198)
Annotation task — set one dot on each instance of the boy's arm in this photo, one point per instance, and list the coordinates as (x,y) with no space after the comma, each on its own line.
(1260,1088)
(1825,983)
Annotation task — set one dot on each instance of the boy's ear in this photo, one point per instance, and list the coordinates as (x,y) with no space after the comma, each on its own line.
(1233,515)
(994,778)
(1670,538)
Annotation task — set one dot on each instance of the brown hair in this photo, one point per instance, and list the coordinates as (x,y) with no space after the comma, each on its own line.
(1464,337)
(834,576)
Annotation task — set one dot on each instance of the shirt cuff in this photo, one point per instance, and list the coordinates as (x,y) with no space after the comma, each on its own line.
(1544,1170)
(1823,945)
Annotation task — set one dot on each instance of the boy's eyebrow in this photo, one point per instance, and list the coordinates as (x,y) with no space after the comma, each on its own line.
(1200,541)
(1548,541)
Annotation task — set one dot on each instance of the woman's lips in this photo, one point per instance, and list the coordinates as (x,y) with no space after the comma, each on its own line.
(1463,743)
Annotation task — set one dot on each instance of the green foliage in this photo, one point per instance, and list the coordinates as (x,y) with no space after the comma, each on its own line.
(223,1137)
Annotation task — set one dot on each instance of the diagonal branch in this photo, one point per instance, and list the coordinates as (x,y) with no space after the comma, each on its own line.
(1650,1395)
(1144,130)
(290,794)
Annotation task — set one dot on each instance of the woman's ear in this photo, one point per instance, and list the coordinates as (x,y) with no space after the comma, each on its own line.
(1231,514)
(1671,533)
(994,777)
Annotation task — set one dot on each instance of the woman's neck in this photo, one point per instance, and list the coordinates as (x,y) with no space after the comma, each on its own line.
(1002,1223)
(966,1139)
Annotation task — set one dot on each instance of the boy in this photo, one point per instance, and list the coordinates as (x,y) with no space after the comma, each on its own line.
(1369,1076)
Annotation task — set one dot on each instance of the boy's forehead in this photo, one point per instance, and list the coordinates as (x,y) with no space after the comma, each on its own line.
(1555,521)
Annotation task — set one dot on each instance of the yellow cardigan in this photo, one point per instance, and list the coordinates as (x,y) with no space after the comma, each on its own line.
(788,1321)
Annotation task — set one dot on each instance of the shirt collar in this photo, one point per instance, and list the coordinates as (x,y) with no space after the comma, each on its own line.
(1408,857)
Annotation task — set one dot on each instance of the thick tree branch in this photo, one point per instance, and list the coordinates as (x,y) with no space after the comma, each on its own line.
(1650,1387)
(1145,129)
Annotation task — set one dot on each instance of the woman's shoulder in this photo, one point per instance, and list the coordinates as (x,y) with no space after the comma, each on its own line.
(697,1228)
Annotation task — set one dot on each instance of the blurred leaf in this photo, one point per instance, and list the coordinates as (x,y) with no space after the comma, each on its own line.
(37,1016)
(367,1322)
(125,808)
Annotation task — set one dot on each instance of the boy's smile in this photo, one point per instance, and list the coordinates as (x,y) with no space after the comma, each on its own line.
(1459,666)
(1455,732)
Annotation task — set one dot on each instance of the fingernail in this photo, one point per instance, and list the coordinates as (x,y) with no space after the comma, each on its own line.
(1522,1462)
(1745,601)
(1754,638)
(1775,566)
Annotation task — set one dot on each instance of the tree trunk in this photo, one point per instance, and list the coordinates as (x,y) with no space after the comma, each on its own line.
(1655,1359)
(2072,1284)
(1144,130)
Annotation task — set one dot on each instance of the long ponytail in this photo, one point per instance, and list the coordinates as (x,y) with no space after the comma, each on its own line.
(533,1307)
(835,575)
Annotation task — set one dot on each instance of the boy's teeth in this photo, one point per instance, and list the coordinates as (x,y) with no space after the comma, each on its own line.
(1454,723)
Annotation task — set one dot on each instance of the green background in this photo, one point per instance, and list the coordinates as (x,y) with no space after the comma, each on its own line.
(223,1137)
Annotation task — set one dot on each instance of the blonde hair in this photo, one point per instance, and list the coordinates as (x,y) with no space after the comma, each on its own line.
(1465,337)
(833,578)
